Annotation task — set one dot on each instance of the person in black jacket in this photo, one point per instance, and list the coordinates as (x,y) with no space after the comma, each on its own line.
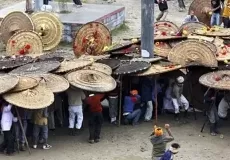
(216,12)
(77,2)
(181,5)
(163,7)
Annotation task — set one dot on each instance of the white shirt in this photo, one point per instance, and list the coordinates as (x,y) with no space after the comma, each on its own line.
(7,118)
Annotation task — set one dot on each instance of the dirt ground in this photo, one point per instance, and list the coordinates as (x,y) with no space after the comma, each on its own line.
(127,142)
(132,143)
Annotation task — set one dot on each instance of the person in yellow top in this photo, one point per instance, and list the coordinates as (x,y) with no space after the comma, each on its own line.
(41,126)
(226,14)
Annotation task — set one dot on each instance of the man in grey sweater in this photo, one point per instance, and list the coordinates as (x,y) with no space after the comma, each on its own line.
(178,98)
(75,97)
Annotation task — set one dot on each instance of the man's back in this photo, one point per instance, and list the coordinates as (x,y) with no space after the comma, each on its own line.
(75,96)
(159,144)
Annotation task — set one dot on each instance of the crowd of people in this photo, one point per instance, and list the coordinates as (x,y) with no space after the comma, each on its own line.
(138,105)
(219,11)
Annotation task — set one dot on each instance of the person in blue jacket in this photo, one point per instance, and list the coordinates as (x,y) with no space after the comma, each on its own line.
(146,96)
(131,108)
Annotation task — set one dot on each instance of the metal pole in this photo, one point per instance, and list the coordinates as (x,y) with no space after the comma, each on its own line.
(147,20)
(29,6)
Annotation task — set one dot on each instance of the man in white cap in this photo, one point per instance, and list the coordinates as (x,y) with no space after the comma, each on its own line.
(178,99)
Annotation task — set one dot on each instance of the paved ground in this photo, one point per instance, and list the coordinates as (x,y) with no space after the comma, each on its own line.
(127,142)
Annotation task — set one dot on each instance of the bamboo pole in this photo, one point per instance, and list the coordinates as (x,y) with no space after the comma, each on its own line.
(120,100)
(156,103)
(23,132)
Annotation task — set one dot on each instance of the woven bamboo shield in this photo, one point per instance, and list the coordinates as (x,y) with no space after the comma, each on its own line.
(162,49)
(36,68)
(113,63)
(24,43)
(209,44)
(54,82)
(223,51)
(24,84)
(35,98)
(49,27)
(190,27)
(129,67)
(7,82)
(219,80)
(91,80)
(192,53)
(212,32)
(168,38)
(100,67)
(95,58)
(9,62)
(160,67)
(173,43)
(72,65)
(67,55)
(120,47)
(165,26)
(200,9)
(91,39)
(14,22)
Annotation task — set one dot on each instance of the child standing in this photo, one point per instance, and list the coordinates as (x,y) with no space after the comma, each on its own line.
(6,124)
(159,141)
(41,125)
(96,117)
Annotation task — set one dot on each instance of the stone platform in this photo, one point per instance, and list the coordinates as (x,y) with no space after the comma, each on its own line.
(111,15)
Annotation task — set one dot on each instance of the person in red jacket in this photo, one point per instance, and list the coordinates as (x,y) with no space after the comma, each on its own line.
(96,116)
